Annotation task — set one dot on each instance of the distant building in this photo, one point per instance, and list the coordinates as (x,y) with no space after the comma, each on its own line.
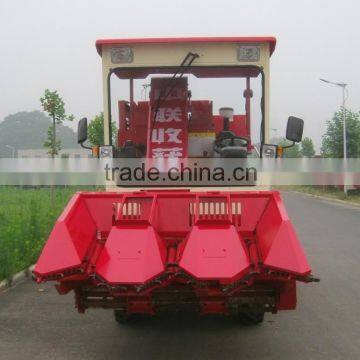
(63,153)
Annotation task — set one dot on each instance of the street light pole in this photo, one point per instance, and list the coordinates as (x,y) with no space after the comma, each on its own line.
(344,120)
(343,86)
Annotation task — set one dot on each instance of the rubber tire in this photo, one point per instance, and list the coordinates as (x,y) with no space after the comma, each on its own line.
(121,317)
(251,318)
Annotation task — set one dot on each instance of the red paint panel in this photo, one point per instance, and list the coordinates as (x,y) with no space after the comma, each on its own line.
(179,220)
(286,252)
(251,210)
(82,227)
(278,242)
(59,253)
(238,125)
(131,255)
(268,226)
(214,253)
(101,209)
(201,116)
(70,239)
(133,127)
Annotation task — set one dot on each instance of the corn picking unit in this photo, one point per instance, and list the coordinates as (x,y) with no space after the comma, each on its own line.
(145,251)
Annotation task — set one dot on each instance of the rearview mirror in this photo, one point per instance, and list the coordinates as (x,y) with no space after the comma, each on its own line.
(82,130)
(294,129)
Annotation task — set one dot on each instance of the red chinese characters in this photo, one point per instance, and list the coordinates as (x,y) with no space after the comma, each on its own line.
(168,118)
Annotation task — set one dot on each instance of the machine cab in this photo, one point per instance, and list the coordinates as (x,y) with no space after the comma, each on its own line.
(186,97)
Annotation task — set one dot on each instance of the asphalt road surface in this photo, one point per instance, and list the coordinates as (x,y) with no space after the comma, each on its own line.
(36,323)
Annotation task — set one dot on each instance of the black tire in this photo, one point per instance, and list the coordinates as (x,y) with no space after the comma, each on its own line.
(250,318)
(121,317)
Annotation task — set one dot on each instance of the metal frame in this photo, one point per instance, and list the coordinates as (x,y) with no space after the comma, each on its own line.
(263,101)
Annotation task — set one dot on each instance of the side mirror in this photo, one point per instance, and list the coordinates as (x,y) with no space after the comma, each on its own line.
(294,129)
(82,131)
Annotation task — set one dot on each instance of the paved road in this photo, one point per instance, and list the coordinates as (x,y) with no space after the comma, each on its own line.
(36,323)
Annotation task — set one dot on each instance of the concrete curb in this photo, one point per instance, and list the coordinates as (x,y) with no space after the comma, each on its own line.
(330,199)
(16,278)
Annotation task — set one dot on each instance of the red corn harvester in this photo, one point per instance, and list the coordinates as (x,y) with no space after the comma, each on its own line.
(227,250)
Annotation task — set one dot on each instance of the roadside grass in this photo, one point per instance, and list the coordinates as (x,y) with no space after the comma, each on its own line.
(26,219)
(326,191)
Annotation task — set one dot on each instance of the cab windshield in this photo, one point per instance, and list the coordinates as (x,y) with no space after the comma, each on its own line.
(200,112)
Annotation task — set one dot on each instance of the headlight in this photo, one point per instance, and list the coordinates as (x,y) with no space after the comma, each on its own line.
(106,152)
(248,53)
(121,55)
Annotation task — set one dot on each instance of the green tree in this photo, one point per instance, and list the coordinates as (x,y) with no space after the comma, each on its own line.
(307,147)
(54,106)
(291,152)
(96,130)
(332,140)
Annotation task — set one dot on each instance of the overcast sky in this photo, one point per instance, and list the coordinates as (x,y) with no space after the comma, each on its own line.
(50,44)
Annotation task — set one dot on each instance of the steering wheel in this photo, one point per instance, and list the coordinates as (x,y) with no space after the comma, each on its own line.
(229,135)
